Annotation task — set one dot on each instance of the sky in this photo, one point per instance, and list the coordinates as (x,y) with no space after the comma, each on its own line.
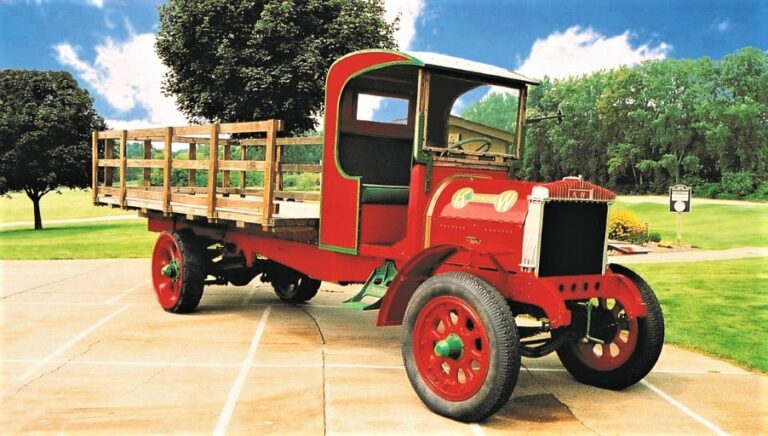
(108,45)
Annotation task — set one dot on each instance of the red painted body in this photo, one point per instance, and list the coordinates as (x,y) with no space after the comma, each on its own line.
(436,231)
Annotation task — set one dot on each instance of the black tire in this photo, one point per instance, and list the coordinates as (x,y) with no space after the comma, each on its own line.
(650,340)
(192,274)
(298,290)
(495,318)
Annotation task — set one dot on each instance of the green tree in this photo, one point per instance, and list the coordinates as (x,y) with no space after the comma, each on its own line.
(240,60)
(46,121)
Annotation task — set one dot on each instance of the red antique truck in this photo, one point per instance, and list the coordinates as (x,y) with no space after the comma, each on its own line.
(479,268)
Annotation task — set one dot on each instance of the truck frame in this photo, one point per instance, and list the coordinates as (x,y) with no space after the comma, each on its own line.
(479,268)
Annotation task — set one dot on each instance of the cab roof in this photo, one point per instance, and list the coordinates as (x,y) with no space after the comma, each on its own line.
(436,61)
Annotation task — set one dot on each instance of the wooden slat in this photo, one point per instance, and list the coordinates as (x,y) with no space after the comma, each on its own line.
(185,164)
(313,140)
(245,204)
(167,171)
(109,134)
(213,170)
(192,172)
(109,163)
(237,165)
(243,155)
(109,190)
(300,168)
(189,199)
(299,195)
(145,163)
(146,177)
(192,130)
(227,156)
(251,126)
(95,167)
(269,172)
(144,194)
(123,166)
(144,133)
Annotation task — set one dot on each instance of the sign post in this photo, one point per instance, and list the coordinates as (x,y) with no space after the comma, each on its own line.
(679,202)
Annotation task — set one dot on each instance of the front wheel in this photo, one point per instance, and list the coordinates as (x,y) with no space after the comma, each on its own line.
(460,346)
(620,351)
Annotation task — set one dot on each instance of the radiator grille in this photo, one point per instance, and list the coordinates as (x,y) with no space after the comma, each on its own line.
(572,238)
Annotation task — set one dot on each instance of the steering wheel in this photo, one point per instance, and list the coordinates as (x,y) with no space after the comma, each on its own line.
(485,146)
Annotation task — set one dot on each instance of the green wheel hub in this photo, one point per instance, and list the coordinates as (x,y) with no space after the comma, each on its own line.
(452,346)
(171,270)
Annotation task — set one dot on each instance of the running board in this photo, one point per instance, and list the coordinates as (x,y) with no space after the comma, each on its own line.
(375,288)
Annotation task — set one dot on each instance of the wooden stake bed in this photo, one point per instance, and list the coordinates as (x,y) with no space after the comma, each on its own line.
(208,148)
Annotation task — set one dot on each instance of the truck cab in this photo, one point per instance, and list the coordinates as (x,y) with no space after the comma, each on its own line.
(378,172)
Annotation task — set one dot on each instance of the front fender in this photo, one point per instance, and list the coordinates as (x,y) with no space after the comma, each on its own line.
(408,278)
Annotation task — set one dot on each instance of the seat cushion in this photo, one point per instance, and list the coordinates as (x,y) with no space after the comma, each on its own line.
(384,194)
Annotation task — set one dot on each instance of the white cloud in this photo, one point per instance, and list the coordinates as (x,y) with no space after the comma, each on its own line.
(409,12)
(97,3)
(128,75)
(580,51)
(721,26)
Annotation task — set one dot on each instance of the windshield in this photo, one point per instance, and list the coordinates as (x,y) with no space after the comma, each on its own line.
(487,113)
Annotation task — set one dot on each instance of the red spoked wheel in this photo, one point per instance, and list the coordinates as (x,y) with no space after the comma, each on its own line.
(178,271)
(451,348)
(460,346)
(614,351)
(612,336)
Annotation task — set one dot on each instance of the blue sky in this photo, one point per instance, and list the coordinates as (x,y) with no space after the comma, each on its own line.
(107,44)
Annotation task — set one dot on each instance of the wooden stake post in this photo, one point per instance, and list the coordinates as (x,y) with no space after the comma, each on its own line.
(680,203)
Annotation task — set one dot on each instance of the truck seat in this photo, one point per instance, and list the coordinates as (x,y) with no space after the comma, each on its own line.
(384,194)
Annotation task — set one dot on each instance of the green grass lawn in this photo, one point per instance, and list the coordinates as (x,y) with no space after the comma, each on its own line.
(710,226)
(718,307)
(70,203)
(79,241)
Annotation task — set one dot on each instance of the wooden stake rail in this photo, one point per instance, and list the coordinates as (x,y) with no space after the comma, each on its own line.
(218,199)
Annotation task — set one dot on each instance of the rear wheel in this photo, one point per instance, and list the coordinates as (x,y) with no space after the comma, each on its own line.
(619,351)
(178,271)
(460,346)
(297,289)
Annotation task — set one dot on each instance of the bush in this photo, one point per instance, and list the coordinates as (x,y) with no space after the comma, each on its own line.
(624,225)
(654,237)
(761,193)
(707,190)
(738,184)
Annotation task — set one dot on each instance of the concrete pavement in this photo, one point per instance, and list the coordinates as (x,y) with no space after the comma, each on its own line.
(86,349)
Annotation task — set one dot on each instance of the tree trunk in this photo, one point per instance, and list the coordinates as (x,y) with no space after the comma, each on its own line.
(35,197)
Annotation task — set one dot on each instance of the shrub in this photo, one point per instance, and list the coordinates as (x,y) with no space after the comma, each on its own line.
(654,237)
(738,184)
(761,193)
(624,225)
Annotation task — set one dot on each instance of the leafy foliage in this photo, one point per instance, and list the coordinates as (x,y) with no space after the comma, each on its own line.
(642,129)
(256,59)
(46,121)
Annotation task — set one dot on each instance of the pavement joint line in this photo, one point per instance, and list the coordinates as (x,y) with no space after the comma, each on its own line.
(237,387)
(313,365)
(476,429)
(67,345)
(114,300)
(23,291)
(683,408)
(660,371)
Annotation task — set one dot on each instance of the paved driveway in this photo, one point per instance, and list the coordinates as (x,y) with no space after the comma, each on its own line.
(85,348)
